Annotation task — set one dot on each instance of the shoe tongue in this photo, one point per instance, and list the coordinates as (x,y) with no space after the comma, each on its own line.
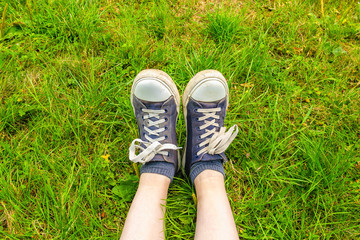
(208,104)
(153,105)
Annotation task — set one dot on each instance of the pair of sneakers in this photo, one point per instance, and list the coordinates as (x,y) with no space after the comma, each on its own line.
(156,103)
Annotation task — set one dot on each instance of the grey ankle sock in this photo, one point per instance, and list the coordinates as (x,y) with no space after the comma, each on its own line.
(198,167)
(163,168)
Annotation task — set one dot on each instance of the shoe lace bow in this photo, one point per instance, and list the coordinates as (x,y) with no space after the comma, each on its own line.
(220,140)
(152,145)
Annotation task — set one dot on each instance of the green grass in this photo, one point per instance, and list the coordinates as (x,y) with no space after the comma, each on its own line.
(66,68)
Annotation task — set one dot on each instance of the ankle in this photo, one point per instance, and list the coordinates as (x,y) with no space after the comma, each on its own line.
(208,184)
(153,181)
(209,176)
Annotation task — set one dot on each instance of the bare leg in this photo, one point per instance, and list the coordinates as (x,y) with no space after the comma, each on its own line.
(145,219)
(214,216)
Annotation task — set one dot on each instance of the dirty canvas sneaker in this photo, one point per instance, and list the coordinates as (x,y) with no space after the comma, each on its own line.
(205,101)
(156,101)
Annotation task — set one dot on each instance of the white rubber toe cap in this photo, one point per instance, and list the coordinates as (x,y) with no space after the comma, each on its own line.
(151,90)
(209,90)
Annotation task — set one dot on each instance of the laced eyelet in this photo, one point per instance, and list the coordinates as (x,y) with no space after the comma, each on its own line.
(195,110)
(166,110)
(166,119)
(166,128)
(166,137)
(197,119)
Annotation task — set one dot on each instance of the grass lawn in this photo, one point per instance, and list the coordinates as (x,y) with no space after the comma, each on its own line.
(66,122)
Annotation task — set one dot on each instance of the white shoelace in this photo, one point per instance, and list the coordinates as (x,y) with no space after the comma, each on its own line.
(153,145)
(220,140)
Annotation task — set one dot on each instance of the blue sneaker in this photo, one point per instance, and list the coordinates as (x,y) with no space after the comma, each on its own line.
(156,101)
(205,101)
